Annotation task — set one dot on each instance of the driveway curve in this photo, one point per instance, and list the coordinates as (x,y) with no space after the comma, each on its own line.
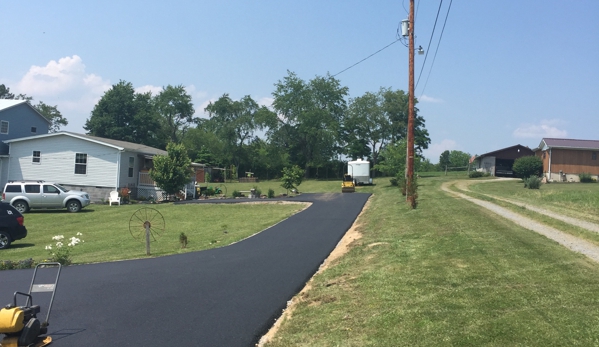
(228,296)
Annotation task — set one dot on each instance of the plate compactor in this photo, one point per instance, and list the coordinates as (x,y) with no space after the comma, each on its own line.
(19,324)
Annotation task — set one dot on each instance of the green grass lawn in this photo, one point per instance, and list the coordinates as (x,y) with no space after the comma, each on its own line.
(107,235)
(579,200)
(447,274)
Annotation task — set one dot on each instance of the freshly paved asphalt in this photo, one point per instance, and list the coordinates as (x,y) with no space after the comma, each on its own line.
(221,297)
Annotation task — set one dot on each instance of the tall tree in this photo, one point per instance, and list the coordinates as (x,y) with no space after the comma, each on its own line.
(176,111)
(236,122)
(122,114)
(367,129)
(395,106)
(459,158)
(309,118)
(444,160)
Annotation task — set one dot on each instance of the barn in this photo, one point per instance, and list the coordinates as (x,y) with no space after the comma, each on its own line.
(500,162)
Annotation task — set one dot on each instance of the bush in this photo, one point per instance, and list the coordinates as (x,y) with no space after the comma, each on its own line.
(586,178)
(209,191)
(532,182)
(394,181)
(528,166)
(258,191)
(477,174)
(236,194)
(271,193)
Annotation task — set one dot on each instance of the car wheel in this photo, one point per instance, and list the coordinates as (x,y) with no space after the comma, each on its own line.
(73,206)
(4,240)
(21,206)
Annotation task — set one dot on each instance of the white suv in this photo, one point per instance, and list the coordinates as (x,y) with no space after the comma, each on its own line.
(24,195)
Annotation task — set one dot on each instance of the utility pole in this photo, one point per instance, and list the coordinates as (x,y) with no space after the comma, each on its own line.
(410,155)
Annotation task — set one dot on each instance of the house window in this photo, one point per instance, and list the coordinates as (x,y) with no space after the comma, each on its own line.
(544,155)
(81,163)
(594,156)
(37,157)
(33,130)
(131,165)
(4,127)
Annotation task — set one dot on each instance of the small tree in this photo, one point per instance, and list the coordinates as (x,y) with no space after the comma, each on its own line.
(172,171)
(525,167)
(292,177)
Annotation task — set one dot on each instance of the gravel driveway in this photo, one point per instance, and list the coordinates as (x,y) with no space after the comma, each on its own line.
(571,242)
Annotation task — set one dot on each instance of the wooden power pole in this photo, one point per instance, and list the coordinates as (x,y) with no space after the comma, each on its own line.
(410,155)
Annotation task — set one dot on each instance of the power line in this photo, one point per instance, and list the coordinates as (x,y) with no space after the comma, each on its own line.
(436,50)
(366,58)
(429,42)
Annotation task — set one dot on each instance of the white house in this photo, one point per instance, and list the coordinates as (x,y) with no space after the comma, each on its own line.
(92,164)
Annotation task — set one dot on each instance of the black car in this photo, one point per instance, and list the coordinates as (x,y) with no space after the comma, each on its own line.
(11,225)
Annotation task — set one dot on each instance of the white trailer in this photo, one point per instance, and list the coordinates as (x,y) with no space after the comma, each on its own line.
(360,171)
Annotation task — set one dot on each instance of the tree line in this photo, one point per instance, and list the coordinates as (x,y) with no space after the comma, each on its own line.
(313,124)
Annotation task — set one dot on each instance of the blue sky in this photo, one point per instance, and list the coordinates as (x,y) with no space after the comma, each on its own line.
(507,72)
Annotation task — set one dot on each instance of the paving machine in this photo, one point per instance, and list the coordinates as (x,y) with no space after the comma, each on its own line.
(19,324)
(348,185)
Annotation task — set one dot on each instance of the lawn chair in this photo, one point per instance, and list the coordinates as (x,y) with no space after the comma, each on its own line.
(114,197)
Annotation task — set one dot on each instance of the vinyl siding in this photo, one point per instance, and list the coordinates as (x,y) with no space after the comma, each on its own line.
(58,161)
(125,180)
(21,118)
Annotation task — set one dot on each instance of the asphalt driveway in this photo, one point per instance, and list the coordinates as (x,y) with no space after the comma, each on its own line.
(228,296)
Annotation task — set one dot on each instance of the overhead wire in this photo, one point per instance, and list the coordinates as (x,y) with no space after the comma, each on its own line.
(366,58)
(429,42)
(436,50)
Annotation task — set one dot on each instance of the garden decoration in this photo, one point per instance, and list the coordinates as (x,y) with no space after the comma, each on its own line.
(146,225)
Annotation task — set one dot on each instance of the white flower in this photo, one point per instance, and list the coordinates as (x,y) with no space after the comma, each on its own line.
(49,247)
(79,234)
(59,244)
(74,241)
(58,237)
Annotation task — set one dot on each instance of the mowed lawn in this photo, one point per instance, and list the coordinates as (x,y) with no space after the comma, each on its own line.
(447,274)
(107,236)
(580,200)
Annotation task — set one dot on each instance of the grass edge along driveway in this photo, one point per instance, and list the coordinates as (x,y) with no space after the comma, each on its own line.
(447,273)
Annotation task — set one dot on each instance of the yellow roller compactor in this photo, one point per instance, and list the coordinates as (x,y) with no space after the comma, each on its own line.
(348,185)
(19,324)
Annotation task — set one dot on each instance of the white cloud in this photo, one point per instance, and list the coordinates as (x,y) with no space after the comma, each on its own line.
(435,149)
(266,101)
(426,98)
(66,84)
(148,88)
(546,128)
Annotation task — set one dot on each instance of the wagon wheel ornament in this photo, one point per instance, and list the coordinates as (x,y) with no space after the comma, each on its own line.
(146,225)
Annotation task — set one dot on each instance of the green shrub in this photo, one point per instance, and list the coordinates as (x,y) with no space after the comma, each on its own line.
(236,194)
(525,167)
(586,178)
(532,182)
(393,181)
(271,193)
(258,191)
(209,191)
(477,174)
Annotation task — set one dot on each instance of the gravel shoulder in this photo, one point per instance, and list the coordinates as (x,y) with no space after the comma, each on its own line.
(569,241)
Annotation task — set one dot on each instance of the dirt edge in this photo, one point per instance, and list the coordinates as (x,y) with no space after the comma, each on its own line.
(340,250)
